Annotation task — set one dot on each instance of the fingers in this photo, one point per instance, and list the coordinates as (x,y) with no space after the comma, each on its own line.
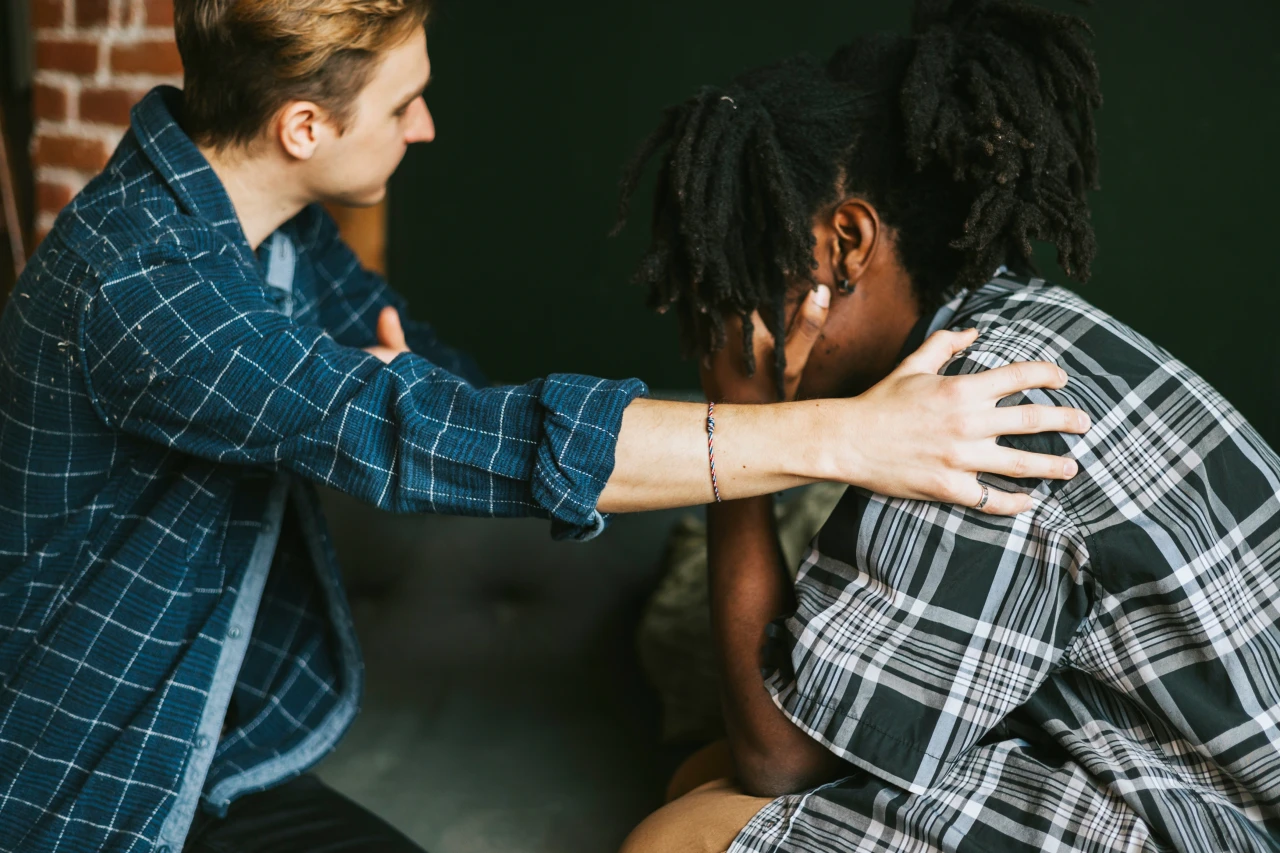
(998,383)
(806,328)
(390,336)
(937,351)
(1019,464)
(1000,502)
(390,333)
(1022,376)
(1031,419)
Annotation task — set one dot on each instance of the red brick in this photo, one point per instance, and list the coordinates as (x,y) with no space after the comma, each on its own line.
(108,106)
(74,55)
(146,57)
(49,102)
(47,13)
(160,13)
(52,197)
(73,152)
(92,13)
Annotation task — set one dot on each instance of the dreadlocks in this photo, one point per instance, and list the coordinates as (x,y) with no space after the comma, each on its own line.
(972,137)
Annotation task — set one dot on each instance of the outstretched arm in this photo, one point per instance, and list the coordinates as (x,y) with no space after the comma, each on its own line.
(914,435)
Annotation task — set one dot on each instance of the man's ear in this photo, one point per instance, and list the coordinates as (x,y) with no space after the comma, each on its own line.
(857,227)
(300,126)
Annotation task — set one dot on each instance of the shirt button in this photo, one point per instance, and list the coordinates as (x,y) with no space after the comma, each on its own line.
(163,848)
(234,633)
(202,742)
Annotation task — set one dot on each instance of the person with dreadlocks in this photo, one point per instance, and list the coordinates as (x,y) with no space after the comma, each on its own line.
(1101,673)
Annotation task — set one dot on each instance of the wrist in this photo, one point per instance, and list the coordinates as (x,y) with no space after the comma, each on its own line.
(826,444)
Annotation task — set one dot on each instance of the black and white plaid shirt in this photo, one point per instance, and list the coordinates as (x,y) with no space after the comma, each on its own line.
(1101,673)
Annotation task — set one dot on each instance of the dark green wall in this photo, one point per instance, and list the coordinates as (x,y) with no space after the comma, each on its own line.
(499,227)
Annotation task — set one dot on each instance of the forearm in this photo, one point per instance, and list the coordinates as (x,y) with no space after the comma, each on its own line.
(661,457)
(750,587)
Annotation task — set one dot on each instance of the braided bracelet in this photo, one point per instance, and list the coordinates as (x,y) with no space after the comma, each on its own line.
(711,447)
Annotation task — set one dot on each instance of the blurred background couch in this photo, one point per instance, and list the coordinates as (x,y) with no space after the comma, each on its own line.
(504,707)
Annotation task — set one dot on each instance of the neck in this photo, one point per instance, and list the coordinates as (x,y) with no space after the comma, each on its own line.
(260,191)
(885,312)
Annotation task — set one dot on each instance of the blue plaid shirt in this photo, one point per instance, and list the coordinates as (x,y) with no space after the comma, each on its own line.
(173,631)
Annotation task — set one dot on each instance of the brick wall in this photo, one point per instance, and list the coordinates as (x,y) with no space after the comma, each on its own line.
(94,60)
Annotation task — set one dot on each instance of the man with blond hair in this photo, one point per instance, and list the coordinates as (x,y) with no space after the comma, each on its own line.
(193,347)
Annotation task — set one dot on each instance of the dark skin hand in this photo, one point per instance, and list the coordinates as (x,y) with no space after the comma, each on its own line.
(844,347)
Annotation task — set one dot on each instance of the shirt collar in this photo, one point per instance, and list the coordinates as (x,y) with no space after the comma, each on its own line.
(941,319)
(930,323)
(180,164)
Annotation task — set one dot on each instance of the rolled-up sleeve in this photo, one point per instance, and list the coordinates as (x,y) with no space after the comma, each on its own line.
(190,354)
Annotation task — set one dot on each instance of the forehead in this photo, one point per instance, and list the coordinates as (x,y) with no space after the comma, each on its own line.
(405,68)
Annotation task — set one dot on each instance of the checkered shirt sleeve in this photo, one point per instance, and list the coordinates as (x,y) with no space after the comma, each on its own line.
(183,347)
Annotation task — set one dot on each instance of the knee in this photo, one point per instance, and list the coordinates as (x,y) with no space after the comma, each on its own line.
(664,831)
(705,820)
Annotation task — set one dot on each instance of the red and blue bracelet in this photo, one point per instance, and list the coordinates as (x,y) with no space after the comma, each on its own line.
(711,448)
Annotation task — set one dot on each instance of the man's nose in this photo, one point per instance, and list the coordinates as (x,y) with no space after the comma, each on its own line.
(422,127)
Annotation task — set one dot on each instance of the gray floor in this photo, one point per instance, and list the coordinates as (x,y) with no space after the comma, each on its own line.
(503,708)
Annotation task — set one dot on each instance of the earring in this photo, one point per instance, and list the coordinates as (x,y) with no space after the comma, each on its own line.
(845,287)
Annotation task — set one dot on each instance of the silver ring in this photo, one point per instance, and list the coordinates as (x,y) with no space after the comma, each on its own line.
(986,493)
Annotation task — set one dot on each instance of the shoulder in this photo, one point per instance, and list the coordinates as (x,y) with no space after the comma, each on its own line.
(1155,421)
(1031,320)
(128,212)
(162,273)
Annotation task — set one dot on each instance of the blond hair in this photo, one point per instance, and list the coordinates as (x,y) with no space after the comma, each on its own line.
(245,59)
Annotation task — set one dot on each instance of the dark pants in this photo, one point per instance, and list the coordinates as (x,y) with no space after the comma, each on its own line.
(302,815)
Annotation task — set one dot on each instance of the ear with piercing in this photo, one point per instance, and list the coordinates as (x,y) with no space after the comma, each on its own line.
(843,286)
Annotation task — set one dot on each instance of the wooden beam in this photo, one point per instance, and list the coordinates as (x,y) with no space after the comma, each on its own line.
(365,230)
(9,205)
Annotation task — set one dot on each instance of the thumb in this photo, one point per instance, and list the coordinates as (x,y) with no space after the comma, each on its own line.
(806,328)
(390,334)
(937,351)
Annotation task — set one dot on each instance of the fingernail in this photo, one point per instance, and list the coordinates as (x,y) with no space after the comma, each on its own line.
(822,296)
(1070,468)
(1062,374)
(1085,422)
